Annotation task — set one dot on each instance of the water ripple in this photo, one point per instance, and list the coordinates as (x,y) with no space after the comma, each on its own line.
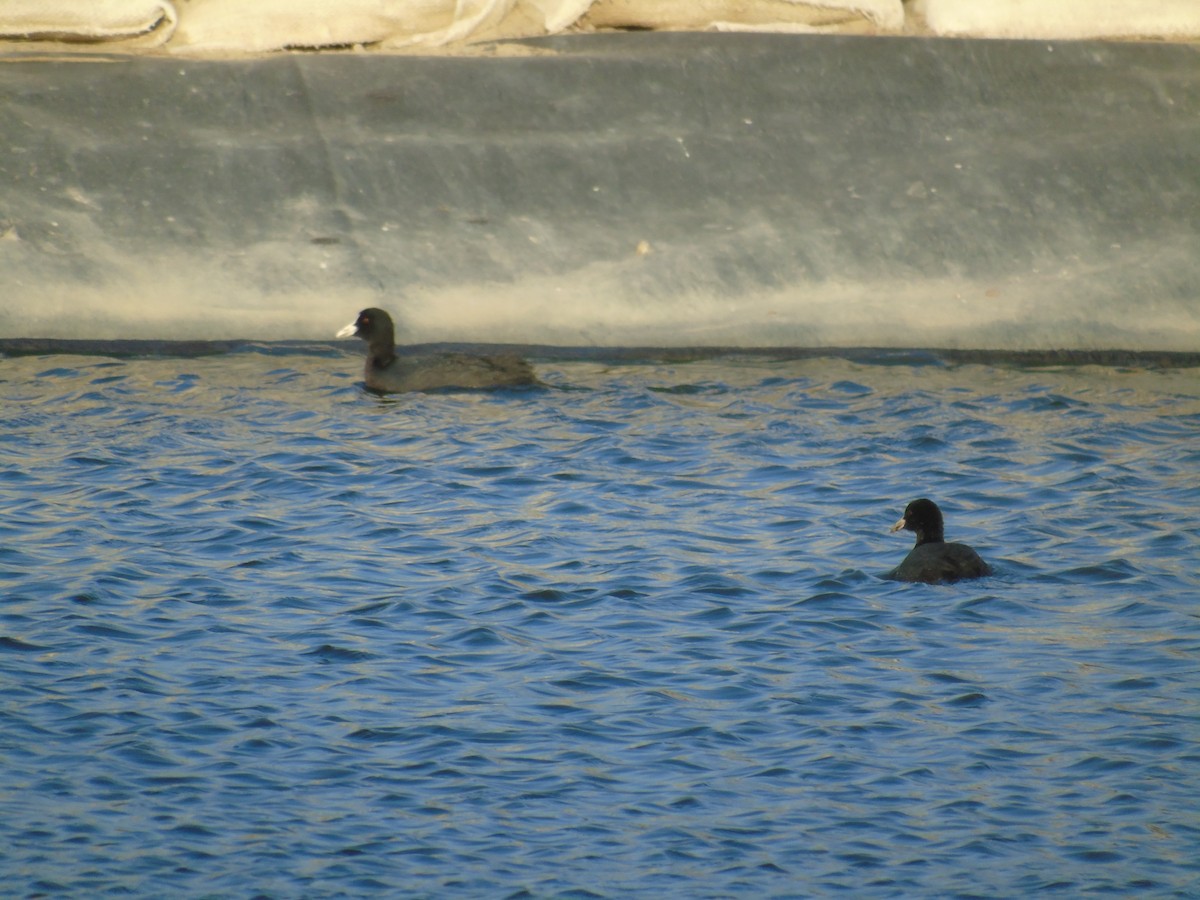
(264,634)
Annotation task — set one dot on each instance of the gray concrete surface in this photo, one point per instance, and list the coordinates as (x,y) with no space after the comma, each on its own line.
(614,190)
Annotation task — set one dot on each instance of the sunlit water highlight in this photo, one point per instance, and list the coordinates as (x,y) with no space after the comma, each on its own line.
(265,634)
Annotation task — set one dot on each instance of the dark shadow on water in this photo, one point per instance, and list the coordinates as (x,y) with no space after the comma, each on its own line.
(879,356)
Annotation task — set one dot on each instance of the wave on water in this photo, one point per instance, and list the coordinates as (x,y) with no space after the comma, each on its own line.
(265,633)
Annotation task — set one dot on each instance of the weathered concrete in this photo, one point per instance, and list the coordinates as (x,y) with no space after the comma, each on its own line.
(640,189)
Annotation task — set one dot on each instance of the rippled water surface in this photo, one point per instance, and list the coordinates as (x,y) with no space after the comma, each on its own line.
(265,634)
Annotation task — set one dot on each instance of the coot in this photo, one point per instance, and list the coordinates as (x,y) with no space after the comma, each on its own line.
(387,373)
(932,560)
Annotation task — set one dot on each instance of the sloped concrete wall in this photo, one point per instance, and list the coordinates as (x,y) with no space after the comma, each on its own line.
(667,189)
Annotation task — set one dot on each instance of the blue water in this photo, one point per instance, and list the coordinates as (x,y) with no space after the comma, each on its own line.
(264,634)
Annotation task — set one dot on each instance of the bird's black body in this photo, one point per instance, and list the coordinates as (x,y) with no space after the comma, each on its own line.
(933,560)
(387,373)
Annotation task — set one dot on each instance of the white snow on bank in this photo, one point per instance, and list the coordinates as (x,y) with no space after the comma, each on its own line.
(1062,19)
(272,24)
(201,27)
(224,26)
(144,23)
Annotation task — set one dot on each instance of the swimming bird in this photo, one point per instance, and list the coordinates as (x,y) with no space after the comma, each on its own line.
(388,373)
(932,560)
